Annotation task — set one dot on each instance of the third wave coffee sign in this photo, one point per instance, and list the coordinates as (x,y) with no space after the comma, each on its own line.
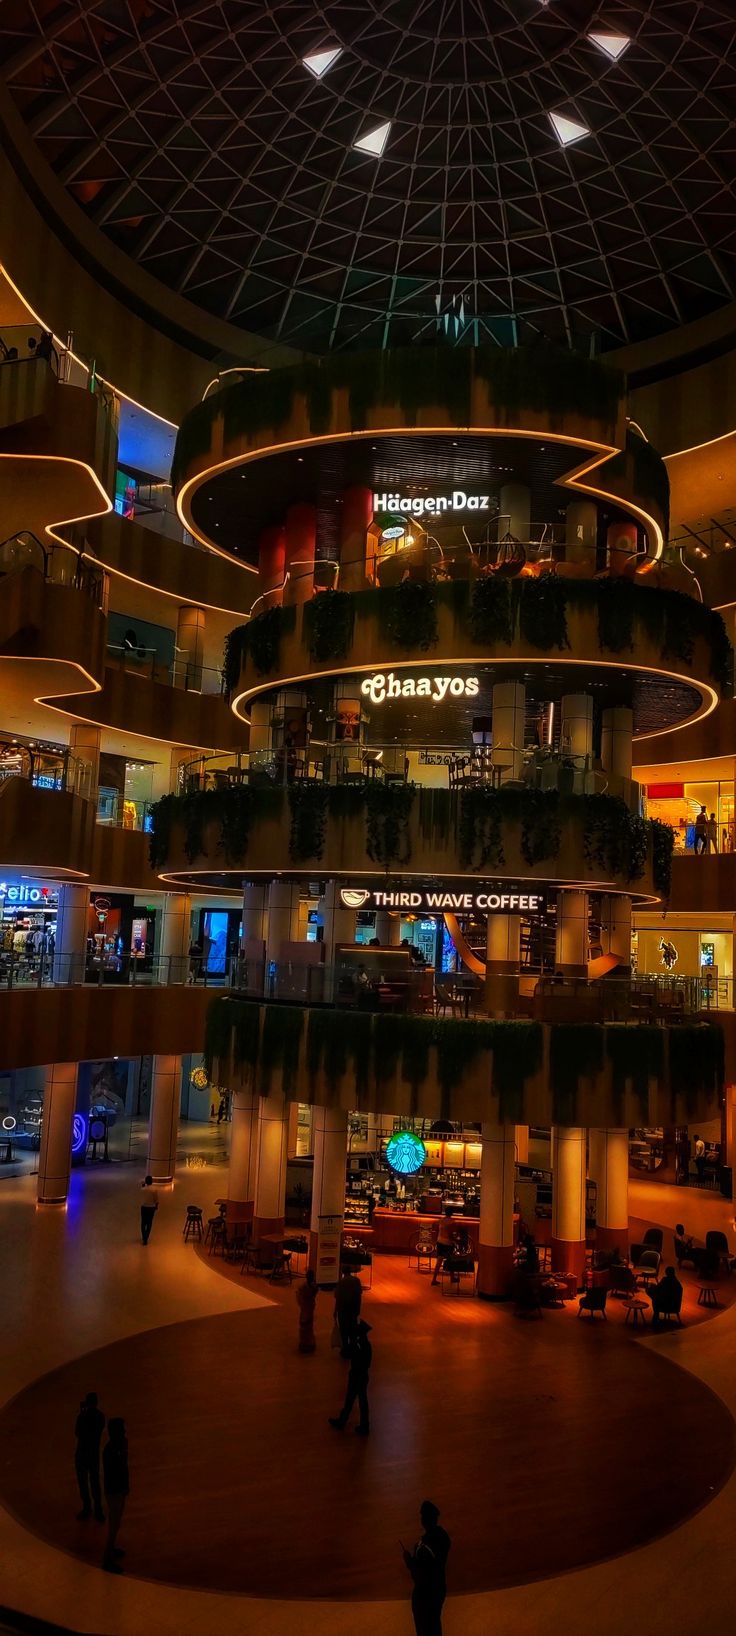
(507,899)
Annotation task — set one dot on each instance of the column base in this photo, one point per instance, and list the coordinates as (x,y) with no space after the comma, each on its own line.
(568,1257)
(495,1271)
(613,1238)
(263,1226)
(237,1210)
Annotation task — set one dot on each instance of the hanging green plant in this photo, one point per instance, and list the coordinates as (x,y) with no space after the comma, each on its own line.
(263,635)
(696,1067)
(480,834)
(492,612)
(232,659)
(637,846)
(195,813)
(281,1038)
(234,807)
(605,833)
(576,1052)
(636,1053)
(329,620)
(387,1045)
(163,815)
(459,1044)
(663,842)
(436,816)
(334,1039)
(418,1036)
(308,806)
(408,614)
(541,828)
(517,1057)
(617,603)
(218,1037)
(543,612)
(246,1032)
(388,808)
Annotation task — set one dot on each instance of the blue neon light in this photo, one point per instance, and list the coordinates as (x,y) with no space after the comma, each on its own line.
(79,1133)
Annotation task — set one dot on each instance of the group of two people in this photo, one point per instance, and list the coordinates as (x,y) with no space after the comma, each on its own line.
(90,1425)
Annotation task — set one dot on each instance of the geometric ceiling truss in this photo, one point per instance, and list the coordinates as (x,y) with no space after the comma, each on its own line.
(192,135)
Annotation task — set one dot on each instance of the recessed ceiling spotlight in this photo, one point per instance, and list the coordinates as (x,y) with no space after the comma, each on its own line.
(374,141)
(318,62)
(614,45)
(568,130)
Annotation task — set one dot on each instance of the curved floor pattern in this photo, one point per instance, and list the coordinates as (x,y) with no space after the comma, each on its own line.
(549,1446)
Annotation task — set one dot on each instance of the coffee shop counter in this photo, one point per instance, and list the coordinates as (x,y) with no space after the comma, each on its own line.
(398,1230)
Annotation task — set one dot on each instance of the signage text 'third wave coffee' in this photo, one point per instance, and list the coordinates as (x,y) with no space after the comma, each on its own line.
(494,900)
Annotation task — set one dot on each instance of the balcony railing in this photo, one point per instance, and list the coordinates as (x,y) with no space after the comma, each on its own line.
(46,968)
(180,672)
(46,769)
(58,564)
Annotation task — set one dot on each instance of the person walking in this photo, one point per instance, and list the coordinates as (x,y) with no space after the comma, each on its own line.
(116,1483)
(348,1296)
(88,1432)
(701,832)
(361,1357)
(149,1206)
(712,834)
(306,1300)
(427,1564)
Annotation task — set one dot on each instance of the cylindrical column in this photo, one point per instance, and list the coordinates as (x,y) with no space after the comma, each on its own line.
(330,1136)
(581,532)
(388,929)
(190,648)
(273,1130)
(84,746)
(608,1164)
(55,1157)
(72,920)
(255,912)
(515,505)
(163,1124)
(508,713)
(503,945)
(521,1138)
(571,938)
(338,923)
(301,539)
(617,927)
(176,913)
(576,729)
(271,562)
(568,1200)
(355,519)
(283,918)
(616,734)
(260,727)
(496,1234)
(241,1182)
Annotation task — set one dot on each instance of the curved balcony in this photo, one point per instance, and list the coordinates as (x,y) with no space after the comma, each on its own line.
(46,831)
(124,548)
(90,1023)
(594,842)
(135,703)
(52,620)
(58,445)
(672,652)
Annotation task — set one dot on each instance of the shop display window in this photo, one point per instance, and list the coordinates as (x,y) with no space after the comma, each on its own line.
(679,804)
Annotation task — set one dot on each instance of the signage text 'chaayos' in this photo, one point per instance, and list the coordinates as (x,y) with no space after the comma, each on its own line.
(436,688)
(433,504)
(512,900)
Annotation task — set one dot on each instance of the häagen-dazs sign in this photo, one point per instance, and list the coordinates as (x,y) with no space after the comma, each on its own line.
(498,899)
(416,505)
(385,685)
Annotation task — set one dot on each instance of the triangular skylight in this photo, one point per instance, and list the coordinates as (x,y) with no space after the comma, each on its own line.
(374,141)
(614,45)
(568,130)
(318,62)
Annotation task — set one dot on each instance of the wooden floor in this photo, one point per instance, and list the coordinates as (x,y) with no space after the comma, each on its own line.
(547,1445)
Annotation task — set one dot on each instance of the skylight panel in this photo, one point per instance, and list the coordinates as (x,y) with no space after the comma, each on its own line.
(568,130)
(614,45)
(318,62)
(374,141)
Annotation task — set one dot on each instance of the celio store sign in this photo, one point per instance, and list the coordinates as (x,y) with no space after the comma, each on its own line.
(433,504)
(493,900)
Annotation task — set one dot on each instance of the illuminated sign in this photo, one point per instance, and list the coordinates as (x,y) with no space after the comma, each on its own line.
(384,686)
(79,1133)
(432,504)
(405,1153)
(26,894)
(507,899)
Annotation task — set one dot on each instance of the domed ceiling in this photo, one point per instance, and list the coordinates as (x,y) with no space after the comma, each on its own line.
(356,173)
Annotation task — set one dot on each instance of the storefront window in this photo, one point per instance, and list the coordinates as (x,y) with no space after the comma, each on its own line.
(679,804)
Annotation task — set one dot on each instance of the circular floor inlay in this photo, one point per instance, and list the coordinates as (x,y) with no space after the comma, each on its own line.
(547,1446)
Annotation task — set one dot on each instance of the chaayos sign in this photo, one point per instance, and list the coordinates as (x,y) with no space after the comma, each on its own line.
(385,685)
(499,899)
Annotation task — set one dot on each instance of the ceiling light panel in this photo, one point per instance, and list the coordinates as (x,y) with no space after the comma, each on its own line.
(614,45)
(318,62)
(374,141)
(568,130)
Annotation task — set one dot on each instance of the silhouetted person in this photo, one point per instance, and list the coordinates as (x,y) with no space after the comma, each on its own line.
(348,1296)
(531,1254)
(149,1206)
(683,1245)
(427,1564)
(666,1297)
(701,832)
(361,1357)
(88,1432)
(116,1484)
(699,1152)
(306,1300)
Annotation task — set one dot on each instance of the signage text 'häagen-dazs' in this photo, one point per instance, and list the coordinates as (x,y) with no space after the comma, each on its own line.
(384,685)
(416,505)
(488,900)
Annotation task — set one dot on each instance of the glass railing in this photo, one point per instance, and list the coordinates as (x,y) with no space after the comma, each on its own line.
(45,967)
(122,811)
(58,564)
(181,673)
(24,344)
(46,769)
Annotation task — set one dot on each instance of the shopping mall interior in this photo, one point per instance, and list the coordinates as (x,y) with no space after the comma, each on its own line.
(367,816)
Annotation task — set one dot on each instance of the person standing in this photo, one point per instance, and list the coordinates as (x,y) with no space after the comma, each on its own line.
(361,1357)
(712,833)
(699,1153)
(117,1486)
(348,1296)
(306,1300)
(701,832)
(149,1206)
(427,1564)
(88,1432)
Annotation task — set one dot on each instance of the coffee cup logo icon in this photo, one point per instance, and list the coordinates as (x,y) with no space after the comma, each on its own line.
(354,898)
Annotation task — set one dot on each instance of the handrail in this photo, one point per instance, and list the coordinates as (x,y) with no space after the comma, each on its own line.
(60,564)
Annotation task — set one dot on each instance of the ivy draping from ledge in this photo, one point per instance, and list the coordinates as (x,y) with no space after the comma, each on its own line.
(317,1046)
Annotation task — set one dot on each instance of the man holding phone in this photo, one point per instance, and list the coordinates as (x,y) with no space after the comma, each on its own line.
(426,1564)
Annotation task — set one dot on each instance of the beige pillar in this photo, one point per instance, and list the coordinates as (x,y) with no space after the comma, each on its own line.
(616,736)
(496,1234)
(190,649)
(163,1124)
(616,928)
(521,1138)
(283,918)
(255,912)
(388,929)
(273,1129)
(581,533)
(508,714)
(84,745)
(241,1181)
(55,1157)
(70,948)
(330,1134)
(515,505)
(608,1165)
(568,1200)
(571,938)
(576,725)
(176,914)
(338,923)
(503,944)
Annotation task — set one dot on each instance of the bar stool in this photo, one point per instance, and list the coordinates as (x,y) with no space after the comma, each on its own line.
(193,1224)
(218,1236)
(423,1251)
(281,1268)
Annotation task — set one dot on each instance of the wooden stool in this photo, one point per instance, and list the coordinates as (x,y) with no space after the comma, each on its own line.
(281,1267)
(193,1224)
(636,1309)
(707,1296)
